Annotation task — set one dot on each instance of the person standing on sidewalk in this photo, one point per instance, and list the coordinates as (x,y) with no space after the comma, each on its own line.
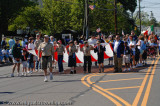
(60,50)
(36,44)
(99,49)
(87,56)
(47,51)
(72,57)
(92,41)
(118,50)
(16,51)
(11,42)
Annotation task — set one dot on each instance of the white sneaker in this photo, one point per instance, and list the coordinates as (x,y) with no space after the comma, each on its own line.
(51,76)
(12,75)
(22,74)
(18,74)
(25,74)
(28,72)
(36,70)
(45,79)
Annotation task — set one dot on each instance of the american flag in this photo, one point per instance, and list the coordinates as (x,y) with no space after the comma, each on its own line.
(98,30)
(92,7)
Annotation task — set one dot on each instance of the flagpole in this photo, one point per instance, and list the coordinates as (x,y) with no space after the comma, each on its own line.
(140,15)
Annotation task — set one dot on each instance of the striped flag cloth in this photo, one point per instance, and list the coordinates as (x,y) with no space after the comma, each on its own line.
(98,30)
(92,7)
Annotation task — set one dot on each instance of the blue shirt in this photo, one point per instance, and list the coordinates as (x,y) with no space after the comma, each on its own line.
(11,43)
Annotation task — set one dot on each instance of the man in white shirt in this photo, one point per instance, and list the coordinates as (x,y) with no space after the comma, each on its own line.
(92,41)
(118,49)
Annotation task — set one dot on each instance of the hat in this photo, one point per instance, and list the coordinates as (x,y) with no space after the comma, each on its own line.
(46,36)
(31,38)
(110,36)
(59,41)
(98,42)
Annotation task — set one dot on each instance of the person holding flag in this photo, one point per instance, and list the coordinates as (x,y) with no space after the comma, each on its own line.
(87,56)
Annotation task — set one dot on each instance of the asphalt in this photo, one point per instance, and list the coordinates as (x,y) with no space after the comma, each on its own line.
(139,87)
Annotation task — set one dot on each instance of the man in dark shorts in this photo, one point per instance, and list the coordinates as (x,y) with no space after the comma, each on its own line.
(47,52)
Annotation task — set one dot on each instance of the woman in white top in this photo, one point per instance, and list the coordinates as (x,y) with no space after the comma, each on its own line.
(132,45)
(31,47)
(140,44)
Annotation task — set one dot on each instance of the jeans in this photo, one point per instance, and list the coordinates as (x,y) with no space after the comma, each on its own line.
(38,63)
(87,60)
(60,63)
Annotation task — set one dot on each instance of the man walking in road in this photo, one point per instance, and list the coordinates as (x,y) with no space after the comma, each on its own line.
(47,52)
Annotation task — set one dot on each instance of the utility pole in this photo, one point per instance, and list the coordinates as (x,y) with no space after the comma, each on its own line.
(140,15)
(86,27)
(115,15)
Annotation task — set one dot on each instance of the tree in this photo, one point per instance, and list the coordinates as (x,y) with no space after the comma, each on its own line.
(56,15)
(9,9)
(30,17)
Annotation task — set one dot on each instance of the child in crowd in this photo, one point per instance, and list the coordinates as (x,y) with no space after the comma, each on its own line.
(5,54)
(24,62)
(126,56)
(30,63)
(100,52)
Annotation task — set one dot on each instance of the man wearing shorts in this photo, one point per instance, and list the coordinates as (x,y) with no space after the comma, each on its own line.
(47,51)
(16,51)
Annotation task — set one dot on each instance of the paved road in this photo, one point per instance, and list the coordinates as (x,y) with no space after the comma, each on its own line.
(96,89)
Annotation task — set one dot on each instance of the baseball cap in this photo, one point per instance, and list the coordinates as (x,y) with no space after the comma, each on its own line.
(46,36)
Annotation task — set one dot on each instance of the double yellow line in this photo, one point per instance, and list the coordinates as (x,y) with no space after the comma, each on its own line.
(86,81)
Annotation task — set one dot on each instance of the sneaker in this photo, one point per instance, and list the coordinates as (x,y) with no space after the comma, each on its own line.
(36,70)
(140,64)
(103,70)
(22,74)
(25,74)
(100,71)
(137,65)
(134,67)
(129,69)
(45,79)
(12,75)
(30,72)
(18,74)
(125,70)
(51,76)
(71,72)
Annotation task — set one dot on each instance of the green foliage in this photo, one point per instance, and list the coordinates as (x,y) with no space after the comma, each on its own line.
(30,17)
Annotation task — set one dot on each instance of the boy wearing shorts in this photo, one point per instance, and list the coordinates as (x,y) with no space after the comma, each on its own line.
(126,57)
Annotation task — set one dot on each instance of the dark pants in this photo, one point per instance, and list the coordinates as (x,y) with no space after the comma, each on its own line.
(60,63)
(87,60)
(38,63)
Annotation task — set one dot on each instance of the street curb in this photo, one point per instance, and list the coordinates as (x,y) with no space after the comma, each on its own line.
(8,64)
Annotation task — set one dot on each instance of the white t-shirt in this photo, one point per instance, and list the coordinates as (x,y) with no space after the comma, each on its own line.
(142,42)
(116,46)
(4,52)
(92,41)
(31,46)
(133,43)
